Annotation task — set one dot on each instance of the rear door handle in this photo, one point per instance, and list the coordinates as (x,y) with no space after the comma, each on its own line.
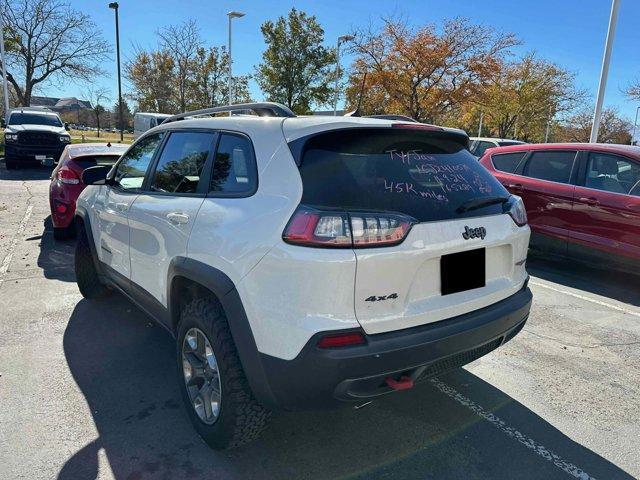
(178,218)
(122,207)
(589,201)
(514,186)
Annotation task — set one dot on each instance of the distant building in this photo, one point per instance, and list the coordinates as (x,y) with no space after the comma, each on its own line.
(60,105)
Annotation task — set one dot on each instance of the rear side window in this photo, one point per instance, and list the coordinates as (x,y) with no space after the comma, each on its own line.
(181,162)
(554,166)
(92,161)
(234,167)
(612,173)
(426,175)
(507,162)
(480,147)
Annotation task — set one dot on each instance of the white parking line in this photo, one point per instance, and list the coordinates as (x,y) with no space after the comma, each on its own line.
(14,243)
(501,425)
(588,299)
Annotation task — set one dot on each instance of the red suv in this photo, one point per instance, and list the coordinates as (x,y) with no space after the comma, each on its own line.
(582,200)
(66,180)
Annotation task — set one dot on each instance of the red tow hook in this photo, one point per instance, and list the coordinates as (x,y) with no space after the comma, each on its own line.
(405,383)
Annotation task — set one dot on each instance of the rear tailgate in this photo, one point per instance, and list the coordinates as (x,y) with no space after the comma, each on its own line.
(413,271)
(425,175)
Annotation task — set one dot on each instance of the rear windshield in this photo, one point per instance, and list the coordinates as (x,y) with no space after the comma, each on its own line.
(507,143)
(426,175)
(34,119)
(86,162)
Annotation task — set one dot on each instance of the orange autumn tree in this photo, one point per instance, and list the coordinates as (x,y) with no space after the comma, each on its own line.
(423,72)
(521,98)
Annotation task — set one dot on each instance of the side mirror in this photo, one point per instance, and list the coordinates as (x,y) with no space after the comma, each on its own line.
(66,127)
(95,175)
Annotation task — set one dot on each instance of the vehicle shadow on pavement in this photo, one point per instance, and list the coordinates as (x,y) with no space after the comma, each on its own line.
(56,258)
(26,172)
(125,367)
(620,286)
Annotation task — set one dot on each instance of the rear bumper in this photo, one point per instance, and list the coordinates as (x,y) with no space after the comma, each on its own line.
(62,201)
(319,378)
(62,213)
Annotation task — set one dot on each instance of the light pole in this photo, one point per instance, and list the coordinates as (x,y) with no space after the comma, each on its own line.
(480,124)
(114,6)
(635,123)
(341,39)
(231,15)
(546,132)
(615,4)
(4,65)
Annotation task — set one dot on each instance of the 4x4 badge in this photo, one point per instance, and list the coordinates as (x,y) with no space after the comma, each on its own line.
(474,233)
(377,298)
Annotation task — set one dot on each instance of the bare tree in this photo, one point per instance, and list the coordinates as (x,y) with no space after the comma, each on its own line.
(632,90)
(182,42)
(53,41)
(98,99)
(614,128)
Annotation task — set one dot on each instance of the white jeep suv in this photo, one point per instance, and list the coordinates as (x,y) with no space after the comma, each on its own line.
(302,262)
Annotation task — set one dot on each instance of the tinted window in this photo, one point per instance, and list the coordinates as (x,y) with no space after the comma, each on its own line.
(181,162)
(422,174)
(480,147)
(551,166)
(507,162)
(131,170)
(612,173)
(34,119)
(234,168)
(92,161)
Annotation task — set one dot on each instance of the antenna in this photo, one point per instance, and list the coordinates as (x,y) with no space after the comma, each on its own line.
(356,112)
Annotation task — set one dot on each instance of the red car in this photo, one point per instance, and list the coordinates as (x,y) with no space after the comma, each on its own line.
(582,200)
(66,180)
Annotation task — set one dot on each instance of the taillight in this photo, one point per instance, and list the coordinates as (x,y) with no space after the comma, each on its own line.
(318,228)
(370,230)
(68,176)
(341,340)
(315,228)
(515,208)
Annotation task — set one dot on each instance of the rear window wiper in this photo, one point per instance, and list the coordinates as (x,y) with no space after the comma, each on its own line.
(476,203)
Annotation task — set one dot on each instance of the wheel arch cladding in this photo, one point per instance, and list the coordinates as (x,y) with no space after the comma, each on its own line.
(189,278)
(83,224)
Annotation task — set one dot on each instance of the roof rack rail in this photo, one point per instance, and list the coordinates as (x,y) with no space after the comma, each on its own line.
(262,109)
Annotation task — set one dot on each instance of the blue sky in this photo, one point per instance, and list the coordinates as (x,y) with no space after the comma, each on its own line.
(568,32)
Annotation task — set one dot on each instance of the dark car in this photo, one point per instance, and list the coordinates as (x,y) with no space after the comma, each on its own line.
(66,180)
(582,200)
(33,135)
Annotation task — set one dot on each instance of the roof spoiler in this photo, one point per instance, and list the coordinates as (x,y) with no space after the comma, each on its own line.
(262,109)
(392,116)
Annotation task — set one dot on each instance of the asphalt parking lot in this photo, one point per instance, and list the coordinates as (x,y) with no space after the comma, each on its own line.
(88,389)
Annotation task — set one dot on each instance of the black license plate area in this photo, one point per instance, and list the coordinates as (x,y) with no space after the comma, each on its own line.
(463,271)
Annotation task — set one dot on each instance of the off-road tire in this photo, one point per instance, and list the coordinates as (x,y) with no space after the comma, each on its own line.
(86,274)
(241,418)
